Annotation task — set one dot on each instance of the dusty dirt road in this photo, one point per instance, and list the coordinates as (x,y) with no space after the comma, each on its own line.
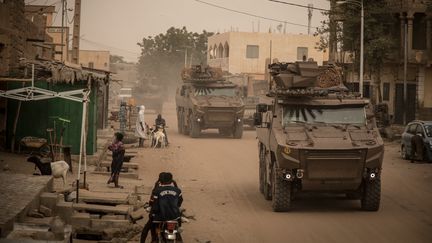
(219,179)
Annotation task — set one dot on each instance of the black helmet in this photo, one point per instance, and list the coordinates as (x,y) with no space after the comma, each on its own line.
(165,177)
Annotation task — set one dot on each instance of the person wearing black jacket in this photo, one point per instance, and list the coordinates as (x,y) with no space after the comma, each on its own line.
(165,202)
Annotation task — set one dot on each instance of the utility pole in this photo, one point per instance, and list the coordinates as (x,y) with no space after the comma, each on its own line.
(62,30)
(310,6)
(405,69)
(76,32)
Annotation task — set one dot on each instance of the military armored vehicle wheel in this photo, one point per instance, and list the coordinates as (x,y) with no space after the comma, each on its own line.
(179,123)
(371,197)
(185,129)
(281,192)
(238,130)
(261,167)
(267,190)
(194,128)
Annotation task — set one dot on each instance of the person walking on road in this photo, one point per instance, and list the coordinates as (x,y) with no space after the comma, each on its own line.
(118,152)
(140,130)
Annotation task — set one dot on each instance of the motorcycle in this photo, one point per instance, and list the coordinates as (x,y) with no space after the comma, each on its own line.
(168,231)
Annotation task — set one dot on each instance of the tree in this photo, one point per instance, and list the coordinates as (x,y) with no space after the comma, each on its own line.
(380,35)
(162,56)
(116,59)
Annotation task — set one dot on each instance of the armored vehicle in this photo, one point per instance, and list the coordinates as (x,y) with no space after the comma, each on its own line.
(315,136)
(206,100)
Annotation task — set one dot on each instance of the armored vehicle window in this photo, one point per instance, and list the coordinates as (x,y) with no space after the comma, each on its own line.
(205,91)
(331,115)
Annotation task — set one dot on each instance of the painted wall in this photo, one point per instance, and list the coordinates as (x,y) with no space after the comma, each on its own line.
(100,59)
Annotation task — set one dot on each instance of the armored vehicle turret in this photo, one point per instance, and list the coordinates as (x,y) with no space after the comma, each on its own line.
(316,136)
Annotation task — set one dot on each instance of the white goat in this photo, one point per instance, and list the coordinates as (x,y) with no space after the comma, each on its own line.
(57,168)
(159,137)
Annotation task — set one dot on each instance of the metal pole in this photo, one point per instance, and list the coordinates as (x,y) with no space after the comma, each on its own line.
(405,73)
(84,111)
(185,65)
(361,50)
(62,29)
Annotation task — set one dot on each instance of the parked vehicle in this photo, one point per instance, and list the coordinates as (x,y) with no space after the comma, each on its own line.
(423,129)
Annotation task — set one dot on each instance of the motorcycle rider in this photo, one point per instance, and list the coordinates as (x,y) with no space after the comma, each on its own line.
(159,121)
(165,202)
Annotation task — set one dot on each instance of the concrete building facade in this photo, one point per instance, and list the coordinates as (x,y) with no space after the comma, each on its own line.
(95,59)
(249,52)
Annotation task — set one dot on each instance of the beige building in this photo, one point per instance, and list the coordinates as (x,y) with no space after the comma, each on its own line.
(61,54)
(248,53)
(95,59)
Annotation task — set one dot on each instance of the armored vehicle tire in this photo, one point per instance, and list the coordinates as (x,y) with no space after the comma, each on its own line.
(194,128)
(261,167)
(185,129)
(404,153)
(179,123)
(267,190)
(371,197)
(238,130)
(281,193)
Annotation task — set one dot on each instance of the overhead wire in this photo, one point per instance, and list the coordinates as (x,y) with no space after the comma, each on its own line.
(301,6)
(250,14)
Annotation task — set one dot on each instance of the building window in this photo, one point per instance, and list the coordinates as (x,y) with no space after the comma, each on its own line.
(91,65)
(252,51)
(220,51)
(386,91)
(226,50)
(302,53)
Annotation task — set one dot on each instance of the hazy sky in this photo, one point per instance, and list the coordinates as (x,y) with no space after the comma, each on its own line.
(117,25)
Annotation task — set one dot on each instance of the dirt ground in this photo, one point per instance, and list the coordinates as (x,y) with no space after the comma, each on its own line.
(219,179)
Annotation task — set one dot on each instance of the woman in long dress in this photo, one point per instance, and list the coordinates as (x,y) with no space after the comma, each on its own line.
(140,129)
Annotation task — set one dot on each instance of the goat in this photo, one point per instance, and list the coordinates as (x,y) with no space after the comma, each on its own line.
(57,168)
(159,137)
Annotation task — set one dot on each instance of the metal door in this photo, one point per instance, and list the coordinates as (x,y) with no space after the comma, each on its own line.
(399,103)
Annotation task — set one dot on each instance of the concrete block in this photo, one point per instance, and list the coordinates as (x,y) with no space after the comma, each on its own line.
(95,216)
(49,200)
(138,214)
(47,212)
(109,217)
(102,224)
(141,222)
(81,220)
(35,214)
(65,211)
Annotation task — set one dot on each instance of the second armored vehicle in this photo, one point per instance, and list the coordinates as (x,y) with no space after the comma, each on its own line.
(205,100)
(314,136)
